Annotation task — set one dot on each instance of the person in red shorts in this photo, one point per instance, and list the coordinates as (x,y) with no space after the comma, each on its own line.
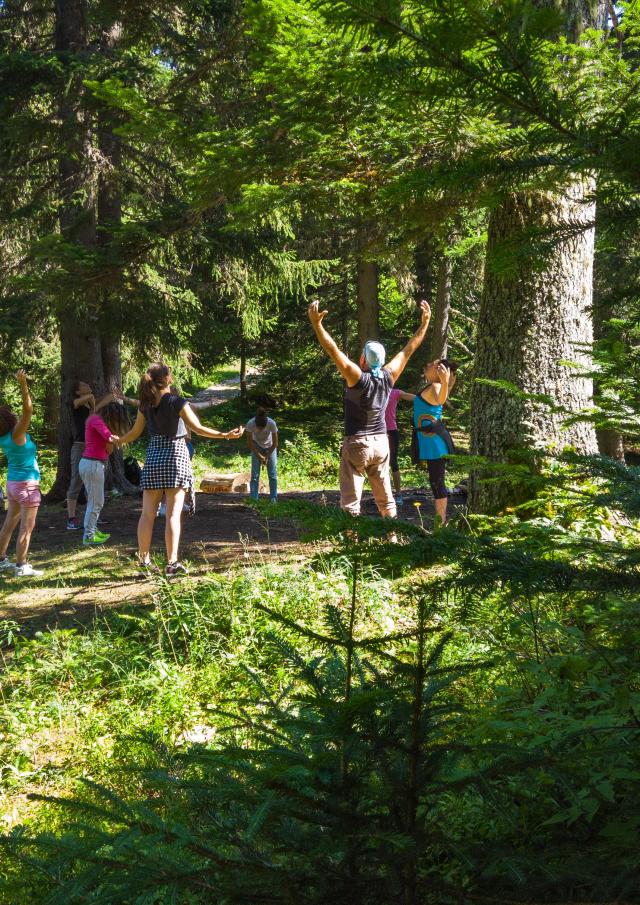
(23,483)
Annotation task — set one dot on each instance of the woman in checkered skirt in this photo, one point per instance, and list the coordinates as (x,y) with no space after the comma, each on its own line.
(167,467)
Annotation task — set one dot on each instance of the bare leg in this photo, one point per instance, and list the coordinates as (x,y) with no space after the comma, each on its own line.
(150,500)
(11,520)
(441,509)
(28,515)
(396,481)
(175,499)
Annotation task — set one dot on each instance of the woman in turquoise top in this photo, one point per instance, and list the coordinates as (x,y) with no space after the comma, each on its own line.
(23,483)
(427,409)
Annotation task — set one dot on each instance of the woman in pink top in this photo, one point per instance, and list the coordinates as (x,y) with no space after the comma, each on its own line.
(392,433)
(100,432)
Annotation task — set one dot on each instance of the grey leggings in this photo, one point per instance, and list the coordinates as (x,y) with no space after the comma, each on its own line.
(92,474)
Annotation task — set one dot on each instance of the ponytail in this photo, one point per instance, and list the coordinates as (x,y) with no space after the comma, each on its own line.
(156,378)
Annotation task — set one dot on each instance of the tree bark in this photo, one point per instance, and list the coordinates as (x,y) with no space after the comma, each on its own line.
(81,357)
(368,302)
(110,218)
(531,320)
(440,322)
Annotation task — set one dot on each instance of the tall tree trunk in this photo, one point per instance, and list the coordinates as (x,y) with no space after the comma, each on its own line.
(110,218)
(368,301)
(440,322)
(81,354)
(536,317)
(530,321)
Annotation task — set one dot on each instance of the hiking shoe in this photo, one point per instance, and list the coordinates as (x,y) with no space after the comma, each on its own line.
(73,524)
(26,570)
(98,538)
(147,568)
(5,563)
(175,568)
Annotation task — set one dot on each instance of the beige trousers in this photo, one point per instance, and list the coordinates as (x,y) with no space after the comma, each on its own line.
(366,457)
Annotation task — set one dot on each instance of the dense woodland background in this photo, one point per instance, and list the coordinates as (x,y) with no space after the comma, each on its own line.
(448,720)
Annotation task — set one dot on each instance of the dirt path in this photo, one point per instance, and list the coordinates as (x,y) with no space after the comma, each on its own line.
(80,581)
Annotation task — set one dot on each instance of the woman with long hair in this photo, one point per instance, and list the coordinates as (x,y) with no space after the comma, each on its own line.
(23,483)
(434,441)
(101,432)
(82,405)
(167,467)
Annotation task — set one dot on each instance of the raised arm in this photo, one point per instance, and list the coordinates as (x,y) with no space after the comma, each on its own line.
(21,428)
(442,385)
(83,400)
(105,400)
(192,421)
(120,397)
(399,362)
(347,368)
(135,431)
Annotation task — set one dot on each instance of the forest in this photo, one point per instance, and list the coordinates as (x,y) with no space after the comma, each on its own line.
(226,213)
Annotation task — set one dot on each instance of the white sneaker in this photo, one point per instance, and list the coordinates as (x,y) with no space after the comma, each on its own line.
(27,571)
(5,563)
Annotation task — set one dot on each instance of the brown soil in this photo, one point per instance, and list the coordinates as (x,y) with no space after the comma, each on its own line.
(224,532)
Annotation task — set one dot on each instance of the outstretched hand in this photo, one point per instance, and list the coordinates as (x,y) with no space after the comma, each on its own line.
(21,376)
(235,434)
(315,315)
(425,311)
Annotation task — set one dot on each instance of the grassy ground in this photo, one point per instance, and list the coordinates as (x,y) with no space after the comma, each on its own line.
(82,679)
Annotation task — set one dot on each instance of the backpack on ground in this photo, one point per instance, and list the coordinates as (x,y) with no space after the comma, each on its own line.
(132,470)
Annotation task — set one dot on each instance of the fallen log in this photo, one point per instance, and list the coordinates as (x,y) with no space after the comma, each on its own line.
(227,483)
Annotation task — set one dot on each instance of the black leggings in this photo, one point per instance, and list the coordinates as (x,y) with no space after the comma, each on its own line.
(393,450)
(436,478)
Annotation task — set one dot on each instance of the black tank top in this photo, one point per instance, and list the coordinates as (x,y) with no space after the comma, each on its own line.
(365,405)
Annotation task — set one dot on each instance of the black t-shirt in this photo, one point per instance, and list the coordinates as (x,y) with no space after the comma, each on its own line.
(164,418)
(79,416)
(365,405)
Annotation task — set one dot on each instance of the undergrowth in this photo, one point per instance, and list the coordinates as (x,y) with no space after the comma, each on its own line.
(447,719)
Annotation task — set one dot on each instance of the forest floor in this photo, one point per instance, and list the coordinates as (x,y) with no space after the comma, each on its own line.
(225,532)
(80,582)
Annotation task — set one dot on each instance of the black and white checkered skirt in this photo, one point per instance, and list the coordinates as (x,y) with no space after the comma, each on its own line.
(167,465)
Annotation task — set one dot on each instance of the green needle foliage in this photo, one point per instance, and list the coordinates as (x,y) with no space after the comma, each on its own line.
(483,749)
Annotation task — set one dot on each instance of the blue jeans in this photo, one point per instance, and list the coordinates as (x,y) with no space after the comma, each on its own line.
(272,471)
